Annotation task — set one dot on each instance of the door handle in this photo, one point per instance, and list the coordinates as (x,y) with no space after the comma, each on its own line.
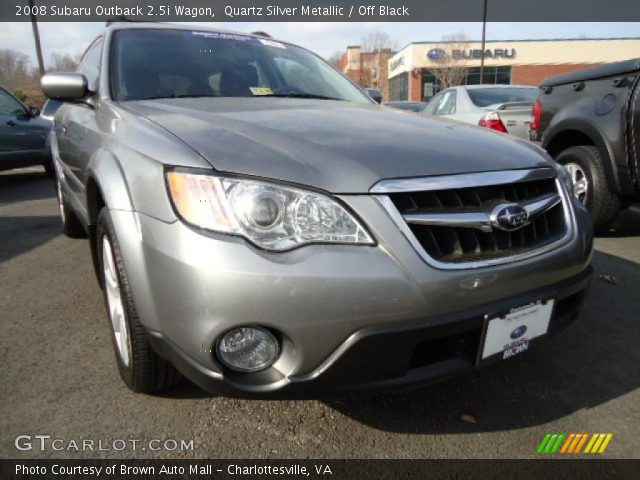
(11,123)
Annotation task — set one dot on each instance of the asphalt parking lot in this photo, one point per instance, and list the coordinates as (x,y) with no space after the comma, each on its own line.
(59,376)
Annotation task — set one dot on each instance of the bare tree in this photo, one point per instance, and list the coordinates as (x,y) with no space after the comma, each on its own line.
(15,69)
(377,41)
(64,62)
(377,48)
(335,58)
(451,70)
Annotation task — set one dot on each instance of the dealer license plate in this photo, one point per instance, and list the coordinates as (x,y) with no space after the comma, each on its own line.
(509,333)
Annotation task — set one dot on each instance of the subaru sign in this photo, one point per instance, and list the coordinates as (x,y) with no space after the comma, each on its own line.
(436,54)
(396,63)
(466,54)
(518,332)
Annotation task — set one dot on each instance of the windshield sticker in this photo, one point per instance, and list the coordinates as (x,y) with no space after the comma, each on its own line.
(221,36)
(271,43)
(261,90)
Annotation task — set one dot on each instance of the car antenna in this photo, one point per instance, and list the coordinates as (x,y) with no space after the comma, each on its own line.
(260,33)
(121,19)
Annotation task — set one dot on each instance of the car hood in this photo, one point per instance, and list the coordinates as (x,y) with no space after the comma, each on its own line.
(336,146)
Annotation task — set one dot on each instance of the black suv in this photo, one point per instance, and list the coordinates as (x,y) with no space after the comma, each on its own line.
(589,121)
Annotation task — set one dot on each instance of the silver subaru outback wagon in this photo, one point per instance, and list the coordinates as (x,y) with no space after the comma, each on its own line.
(259,225)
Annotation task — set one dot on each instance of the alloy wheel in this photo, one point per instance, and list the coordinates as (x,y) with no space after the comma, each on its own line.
(579,180)
(114,302)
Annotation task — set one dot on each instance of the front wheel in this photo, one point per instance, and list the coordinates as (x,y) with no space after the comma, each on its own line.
(586,169)
(141,368)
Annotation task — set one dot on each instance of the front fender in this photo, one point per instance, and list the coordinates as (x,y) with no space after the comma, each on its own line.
(106,180)
(596,134)
(107,175)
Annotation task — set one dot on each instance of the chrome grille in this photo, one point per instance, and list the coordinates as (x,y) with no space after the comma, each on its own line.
(469,220)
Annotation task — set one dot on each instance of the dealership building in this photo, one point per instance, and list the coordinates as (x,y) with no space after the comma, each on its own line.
(518,62)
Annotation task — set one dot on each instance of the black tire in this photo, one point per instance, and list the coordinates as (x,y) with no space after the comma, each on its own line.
(71,226)
(603,204)
(146,371)
(49,168)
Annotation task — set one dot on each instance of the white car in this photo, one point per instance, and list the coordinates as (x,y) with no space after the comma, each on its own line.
(505,108)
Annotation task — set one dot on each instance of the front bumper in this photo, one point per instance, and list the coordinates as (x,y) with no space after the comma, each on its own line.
(385,358)
(349,317)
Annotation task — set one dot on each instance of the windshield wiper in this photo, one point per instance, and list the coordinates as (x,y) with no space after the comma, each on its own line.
(303,95)
(281,95)
(194,95)
(188,95)
(154,97)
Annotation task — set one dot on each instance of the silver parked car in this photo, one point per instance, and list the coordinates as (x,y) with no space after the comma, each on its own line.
(416,107)
(505,108)
(262,226)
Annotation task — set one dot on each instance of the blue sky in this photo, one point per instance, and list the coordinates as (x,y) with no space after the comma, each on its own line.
(323,38)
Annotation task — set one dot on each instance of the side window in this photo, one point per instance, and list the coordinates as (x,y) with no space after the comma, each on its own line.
(50,108)
(448,104)
(430,109)
(90,65)
(9,105)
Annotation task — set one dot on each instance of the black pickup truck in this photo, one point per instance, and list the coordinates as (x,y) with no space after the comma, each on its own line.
(589,121)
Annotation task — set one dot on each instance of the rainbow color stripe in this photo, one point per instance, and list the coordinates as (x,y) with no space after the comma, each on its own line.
(573,443)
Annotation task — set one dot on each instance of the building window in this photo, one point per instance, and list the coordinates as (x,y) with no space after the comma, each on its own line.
(430,84)
(399,87)
(503,75)
(492,75)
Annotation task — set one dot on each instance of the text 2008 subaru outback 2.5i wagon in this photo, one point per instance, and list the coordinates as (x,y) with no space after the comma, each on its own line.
(260,225)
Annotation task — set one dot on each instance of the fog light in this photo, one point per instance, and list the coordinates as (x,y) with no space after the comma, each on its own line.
(248,349)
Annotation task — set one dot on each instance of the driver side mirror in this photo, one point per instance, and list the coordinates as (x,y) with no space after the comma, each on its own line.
(34,111)
(65,86)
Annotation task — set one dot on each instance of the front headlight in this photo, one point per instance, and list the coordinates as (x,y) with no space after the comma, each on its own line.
(274,217)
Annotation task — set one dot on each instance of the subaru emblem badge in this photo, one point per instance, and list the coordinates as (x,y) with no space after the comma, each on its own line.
(518,332)
(509,217)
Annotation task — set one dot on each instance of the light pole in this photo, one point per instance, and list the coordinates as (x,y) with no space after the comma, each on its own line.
(484,37)
(36,38)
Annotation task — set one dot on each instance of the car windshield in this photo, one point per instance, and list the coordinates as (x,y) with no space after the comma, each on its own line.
(151,63)
(9,105)
(483,97)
